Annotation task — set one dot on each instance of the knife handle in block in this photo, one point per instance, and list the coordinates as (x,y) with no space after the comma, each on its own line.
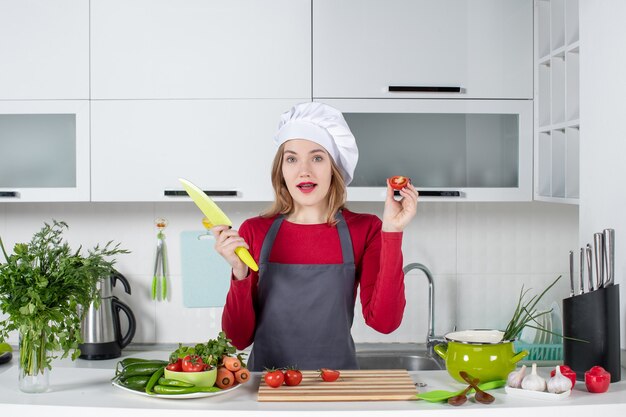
(247,259)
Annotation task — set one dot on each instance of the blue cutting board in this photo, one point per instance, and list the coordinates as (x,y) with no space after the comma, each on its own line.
(205,274)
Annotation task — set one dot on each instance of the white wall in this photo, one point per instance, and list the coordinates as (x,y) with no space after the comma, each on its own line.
(480,255)
(602,138)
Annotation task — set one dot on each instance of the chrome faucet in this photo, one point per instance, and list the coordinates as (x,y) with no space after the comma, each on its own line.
(431,340)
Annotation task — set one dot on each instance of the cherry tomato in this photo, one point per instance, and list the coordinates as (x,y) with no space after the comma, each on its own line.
(566,371)
(329,375)
(399,182)
(193,363)
(597,379)
(293,377)
(274,377)
(175,366)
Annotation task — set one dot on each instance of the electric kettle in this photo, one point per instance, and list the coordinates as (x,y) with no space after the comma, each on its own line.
(100,328)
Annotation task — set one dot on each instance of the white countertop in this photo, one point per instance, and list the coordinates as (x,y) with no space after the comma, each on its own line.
(82,388)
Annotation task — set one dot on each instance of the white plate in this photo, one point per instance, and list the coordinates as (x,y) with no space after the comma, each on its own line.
(177,396)
(536,395)
(541,322)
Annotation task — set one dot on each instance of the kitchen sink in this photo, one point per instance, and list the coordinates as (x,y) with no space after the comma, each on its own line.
(411,361)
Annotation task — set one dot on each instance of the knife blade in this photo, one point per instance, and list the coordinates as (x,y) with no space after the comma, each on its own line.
(216,216)
(571,273)
(581,290)
(598,246)
(589,254)
(609,255)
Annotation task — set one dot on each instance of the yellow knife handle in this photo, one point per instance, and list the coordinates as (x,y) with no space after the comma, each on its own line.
(247,259)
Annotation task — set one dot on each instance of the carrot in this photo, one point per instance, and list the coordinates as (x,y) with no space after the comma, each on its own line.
(231,363)
(225,378)
(242,375)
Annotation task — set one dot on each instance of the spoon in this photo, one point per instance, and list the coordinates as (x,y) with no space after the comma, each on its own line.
(436,396)
(462,397)
(480,396)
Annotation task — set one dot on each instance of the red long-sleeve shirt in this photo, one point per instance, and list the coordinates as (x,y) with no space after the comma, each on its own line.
(377,256)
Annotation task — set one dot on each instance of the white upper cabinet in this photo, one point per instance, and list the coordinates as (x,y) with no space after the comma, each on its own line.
(141,147)
(480,48)
(44,49)
(44,145)
(145,49)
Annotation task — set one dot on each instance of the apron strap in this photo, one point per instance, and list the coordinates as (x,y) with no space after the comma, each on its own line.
(342,229)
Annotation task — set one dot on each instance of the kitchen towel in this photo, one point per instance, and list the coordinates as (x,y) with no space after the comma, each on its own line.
(205,274)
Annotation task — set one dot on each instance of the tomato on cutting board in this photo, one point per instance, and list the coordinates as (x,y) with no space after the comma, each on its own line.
(274,377)
(398,182)
(293,377)
(329,375)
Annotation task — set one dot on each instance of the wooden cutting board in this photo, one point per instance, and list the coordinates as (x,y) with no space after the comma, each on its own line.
(352,385)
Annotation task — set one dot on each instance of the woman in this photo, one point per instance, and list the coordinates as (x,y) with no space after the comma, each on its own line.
(313,253)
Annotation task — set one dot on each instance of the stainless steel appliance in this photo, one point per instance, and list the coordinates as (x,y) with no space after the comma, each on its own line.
(101,329)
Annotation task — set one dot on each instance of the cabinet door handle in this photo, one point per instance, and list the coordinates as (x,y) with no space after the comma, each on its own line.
(9,194)
(210,193)
(423,89)
(434,193)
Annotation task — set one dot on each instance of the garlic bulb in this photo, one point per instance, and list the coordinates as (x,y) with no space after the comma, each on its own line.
(559,383)
(534,382)
(514,380)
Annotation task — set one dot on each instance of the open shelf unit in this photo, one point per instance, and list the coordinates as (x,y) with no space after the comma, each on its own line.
(557,93)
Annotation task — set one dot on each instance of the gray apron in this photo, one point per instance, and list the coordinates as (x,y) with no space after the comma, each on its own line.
(305,311)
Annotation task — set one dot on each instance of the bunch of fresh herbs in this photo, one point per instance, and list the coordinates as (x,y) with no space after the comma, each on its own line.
(45,289)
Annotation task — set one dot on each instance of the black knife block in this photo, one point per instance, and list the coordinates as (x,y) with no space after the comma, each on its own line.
(594,317)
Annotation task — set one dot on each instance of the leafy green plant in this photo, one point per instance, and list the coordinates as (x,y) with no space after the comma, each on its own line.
(45,289)
(526,314)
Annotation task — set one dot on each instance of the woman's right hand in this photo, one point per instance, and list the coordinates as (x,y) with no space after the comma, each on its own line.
(226,241)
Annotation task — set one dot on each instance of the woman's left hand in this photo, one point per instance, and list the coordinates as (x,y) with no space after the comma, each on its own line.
(398,214)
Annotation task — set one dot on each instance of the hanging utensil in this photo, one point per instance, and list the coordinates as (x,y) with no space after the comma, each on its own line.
(159,279)
(609,255)
(598,245)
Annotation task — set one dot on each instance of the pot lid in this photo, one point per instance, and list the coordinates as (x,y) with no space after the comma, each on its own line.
(482,337)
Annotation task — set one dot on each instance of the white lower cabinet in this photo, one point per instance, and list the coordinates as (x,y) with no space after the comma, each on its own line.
(453,150)
(44,146)
(141,147)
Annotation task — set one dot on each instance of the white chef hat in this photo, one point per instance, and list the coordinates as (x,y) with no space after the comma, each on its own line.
(324,125)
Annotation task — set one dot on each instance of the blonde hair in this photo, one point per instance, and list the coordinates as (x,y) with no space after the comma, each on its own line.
(283,202)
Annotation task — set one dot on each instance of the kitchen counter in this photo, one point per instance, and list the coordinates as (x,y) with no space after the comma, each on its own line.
(82,388)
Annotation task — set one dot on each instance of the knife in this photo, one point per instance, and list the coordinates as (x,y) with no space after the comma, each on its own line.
(582,271)
(216,217)
(609,255)
(598,245)
(590,267)
(571,273)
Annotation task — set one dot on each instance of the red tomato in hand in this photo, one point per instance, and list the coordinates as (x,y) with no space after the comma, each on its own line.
(293,377)
(566,371)
(274,377)
(193,363)
(175,366)
(597,379)
(329,375)
(399,182)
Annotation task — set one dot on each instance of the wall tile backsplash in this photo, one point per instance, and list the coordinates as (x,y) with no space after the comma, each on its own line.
(480,255)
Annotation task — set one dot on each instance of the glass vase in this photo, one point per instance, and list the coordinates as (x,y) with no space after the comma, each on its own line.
(32,364)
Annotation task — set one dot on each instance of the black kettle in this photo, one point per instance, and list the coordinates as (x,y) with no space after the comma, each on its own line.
(100,328)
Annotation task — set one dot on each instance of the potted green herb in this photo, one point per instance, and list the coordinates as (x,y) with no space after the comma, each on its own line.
(43,284)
